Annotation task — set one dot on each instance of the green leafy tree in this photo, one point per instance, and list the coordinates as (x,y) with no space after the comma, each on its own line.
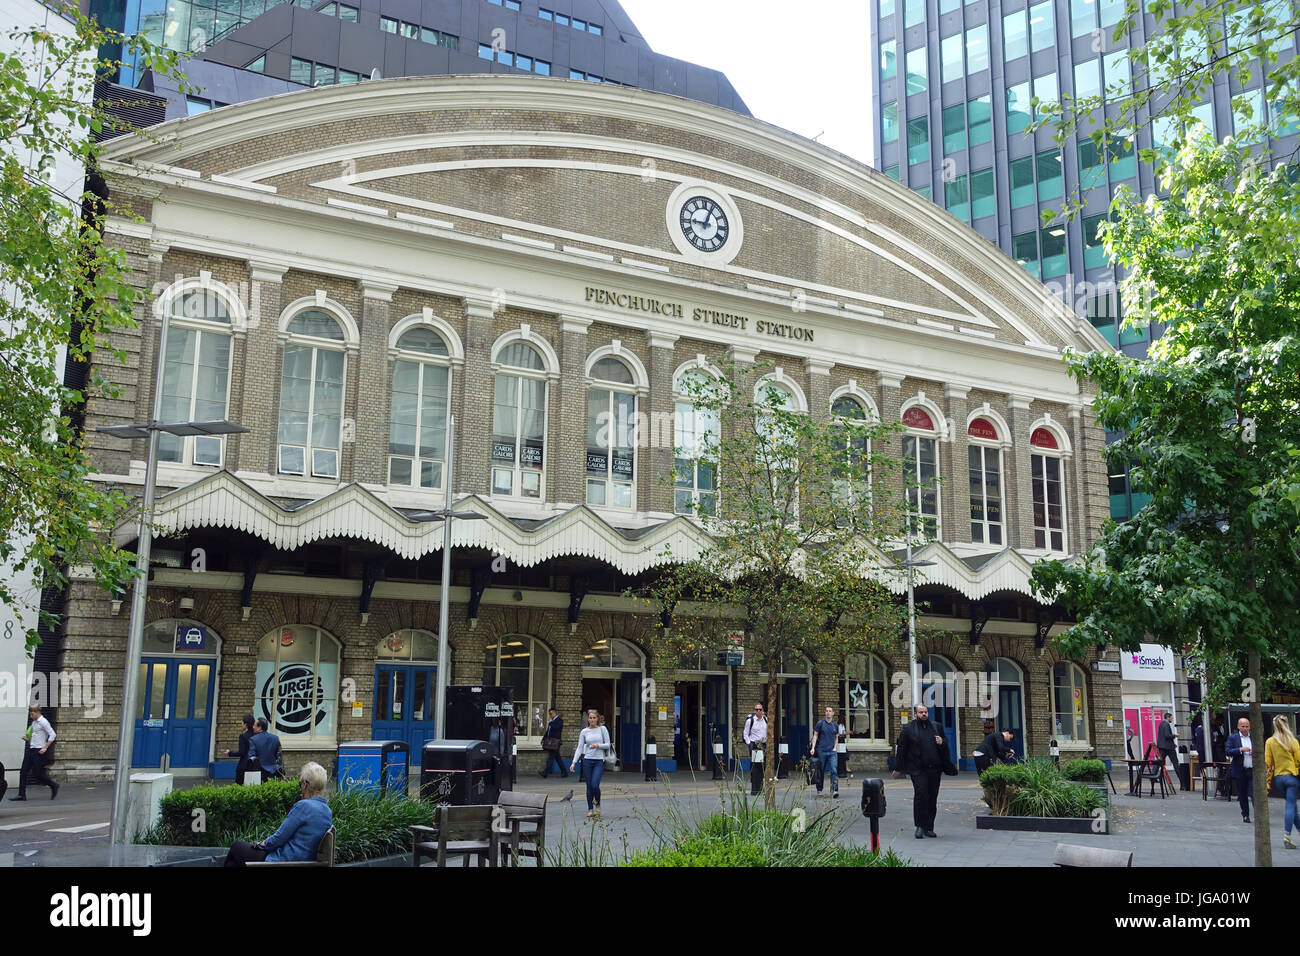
(795,532)
(62,287)
(1211,417)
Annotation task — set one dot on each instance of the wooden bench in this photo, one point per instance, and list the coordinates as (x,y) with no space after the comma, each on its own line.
(324,854)
(526,815)
(461,831)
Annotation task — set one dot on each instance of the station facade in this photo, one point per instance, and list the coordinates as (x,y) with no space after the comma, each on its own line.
(349,268)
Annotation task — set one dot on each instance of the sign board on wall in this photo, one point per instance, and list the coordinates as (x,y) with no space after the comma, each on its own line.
(1150,662)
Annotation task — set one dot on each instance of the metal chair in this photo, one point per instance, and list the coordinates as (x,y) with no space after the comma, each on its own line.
(1153,771)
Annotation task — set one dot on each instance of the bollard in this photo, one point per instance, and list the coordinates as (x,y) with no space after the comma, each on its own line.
(651,758)
(756,769)
(717,758)
(783,764)
(873,807)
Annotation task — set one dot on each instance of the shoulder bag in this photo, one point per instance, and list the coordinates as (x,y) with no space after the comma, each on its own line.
(611,758)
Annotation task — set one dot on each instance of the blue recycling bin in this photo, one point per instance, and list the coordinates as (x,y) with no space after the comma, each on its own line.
(373,766)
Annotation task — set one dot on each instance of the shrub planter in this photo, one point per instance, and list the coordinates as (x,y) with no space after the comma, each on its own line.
(987,821)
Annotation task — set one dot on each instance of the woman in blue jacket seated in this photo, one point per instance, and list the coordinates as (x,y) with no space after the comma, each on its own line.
(299,836)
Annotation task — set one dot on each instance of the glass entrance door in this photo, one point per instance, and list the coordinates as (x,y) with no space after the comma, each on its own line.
(173,713)
(404,703)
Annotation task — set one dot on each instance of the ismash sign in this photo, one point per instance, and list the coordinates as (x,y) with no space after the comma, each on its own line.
(1152,662)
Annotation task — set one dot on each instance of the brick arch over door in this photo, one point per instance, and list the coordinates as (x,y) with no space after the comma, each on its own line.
(546,624)
(220,608)
(388,616)
(332,614)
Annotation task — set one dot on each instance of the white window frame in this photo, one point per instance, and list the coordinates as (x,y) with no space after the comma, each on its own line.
(422,360)
(535,643)
(612,390)
(871,417)
(1077,681)
(548,373)
(684,403)
(937,435)
(874,661)
(348,344)
(1061,454)
(987,446)
(310,740)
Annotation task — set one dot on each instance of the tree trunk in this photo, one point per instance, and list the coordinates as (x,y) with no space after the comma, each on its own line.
(770,758)
(1263,838)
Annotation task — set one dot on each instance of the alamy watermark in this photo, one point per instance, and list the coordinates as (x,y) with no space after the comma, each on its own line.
(82,690)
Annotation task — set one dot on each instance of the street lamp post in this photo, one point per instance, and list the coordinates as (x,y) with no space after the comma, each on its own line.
(446,516)
(144,544)
(912,663)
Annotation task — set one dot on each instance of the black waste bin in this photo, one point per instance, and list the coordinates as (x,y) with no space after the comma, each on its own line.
(458,772)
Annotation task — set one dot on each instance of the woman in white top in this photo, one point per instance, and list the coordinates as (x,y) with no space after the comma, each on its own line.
(593,746)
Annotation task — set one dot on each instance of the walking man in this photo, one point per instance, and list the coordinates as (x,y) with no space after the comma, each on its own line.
(39,737)
(1166,741)
(922,753)
(1240,750)
(825,735)
(755,737)
(551,745)
(266,747)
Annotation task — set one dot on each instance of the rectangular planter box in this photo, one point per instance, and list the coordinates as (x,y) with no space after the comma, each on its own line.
(1041,824)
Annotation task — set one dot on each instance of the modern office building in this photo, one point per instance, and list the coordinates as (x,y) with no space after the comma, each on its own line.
(498,251)
(951,104)
(245,49)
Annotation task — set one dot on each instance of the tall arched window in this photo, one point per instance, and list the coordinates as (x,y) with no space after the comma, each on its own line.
(777,441)
(985,453)
(1047,480)
(1069,703)
(196,375)
(611,435)
(417,430)
(519,421)
(695,433)
(311,395)
(297,684)
(524,664)
(854,470)
(866,696)
(921,470)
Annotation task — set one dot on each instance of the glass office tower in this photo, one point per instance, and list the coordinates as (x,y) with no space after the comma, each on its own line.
(953,93)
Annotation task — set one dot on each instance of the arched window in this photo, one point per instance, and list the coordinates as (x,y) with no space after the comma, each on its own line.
(866,696)
(921,470)
(417,430)
(296,687)
(1046,479)
(853,472)
(614,653)
(519,421)
(985,453)
(695,485)
(196,375)
(777,442)
(311,395)
(524,664)
(611,435)
(409,644)
(1069,703)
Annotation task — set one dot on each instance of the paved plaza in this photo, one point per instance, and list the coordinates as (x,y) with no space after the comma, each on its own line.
(1181,830)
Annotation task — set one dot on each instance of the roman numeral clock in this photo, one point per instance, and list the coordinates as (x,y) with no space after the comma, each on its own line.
(704,224)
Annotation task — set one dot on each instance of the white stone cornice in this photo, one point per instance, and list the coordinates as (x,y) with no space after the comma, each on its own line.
(1019,403)
(958,392)
(380,291)
(479,307)
(817,366)
(266,271)
(569,323)
(661,340)
(739,353)
(890,381)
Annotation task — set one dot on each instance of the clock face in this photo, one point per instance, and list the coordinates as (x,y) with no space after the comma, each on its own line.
(704,224)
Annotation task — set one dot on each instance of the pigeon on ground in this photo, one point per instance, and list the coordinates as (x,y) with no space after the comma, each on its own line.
(567,797)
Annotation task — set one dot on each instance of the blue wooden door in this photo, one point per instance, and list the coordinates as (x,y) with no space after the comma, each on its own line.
(716,717)
(173,713)
(405,695)
(1009,717)
(630,708)
(941,700)
(794,700)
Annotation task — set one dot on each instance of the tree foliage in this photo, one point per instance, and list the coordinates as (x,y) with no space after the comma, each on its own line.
(1211,419)
(63,287)
(796,537)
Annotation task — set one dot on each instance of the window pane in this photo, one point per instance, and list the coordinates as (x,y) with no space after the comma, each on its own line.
(1055,261)
(300,71)
(1014,38)
(1046,92)
(1024,249)
(913,12)
(1092,167)
(980,113)
(1123,165)
(1094,253)
(1019,113)
(1117,76)
(918,139)
(888,58)
(317,324)
(977,48)
(957,198)
(983,202)
(1042,26)
(889,122)
(1087,79)
(1022,182)
(916,69)
(954,128)
(950,52)
(1049,175)
(1083,17)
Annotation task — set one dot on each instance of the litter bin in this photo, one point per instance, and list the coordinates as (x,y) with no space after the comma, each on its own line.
(373,766)
(458,772)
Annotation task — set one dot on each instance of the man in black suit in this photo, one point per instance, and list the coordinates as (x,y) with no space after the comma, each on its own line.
(1241,751)
(243,751)
(266,747)
(922,754)
(554,731)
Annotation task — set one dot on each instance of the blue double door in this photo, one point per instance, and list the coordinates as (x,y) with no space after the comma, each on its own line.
(405,697)
(795,717)
(173,713)
(941,700)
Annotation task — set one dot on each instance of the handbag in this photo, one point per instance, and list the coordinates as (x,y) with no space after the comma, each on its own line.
(611,758)
(551,743)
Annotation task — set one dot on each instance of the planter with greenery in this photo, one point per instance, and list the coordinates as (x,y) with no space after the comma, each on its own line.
(1037,795)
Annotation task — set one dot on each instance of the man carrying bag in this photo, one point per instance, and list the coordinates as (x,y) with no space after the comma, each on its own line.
(551,745)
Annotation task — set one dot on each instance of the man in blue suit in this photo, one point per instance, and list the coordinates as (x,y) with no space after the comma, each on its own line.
(1241,752)
(266,746)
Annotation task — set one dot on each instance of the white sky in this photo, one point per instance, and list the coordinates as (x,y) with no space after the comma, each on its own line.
(801,66)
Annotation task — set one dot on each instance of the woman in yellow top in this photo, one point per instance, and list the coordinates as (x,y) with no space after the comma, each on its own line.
(1282,755)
